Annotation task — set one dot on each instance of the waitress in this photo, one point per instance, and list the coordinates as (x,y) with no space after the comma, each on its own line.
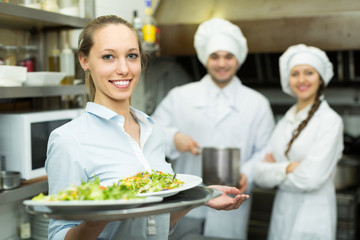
(303,151)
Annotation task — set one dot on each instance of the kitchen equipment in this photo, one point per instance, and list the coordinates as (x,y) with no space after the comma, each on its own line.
(12,75)
(9,179)
(24,137)
(44,78)
(221,166)
(187,199)
(347,172)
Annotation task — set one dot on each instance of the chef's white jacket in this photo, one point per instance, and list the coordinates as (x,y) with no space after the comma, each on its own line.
(244,120)
(305,202)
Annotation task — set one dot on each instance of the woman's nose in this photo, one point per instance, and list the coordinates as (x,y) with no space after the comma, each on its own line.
(302,77)
(122,67)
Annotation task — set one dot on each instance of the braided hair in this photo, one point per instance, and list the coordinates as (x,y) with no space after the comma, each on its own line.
(303,124)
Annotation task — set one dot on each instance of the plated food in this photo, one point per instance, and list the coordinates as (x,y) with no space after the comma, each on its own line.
(128,193)
(126,188)
(91,190)
(148,182)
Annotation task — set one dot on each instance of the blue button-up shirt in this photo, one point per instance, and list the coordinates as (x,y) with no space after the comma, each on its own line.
(97,144)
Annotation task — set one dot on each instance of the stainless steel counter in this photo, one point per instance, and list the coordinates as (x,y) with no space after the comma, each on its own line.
(23,192)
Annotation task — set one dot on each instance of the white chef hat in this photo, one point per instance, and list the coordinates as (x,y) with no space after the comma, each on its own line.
(218,34)
(302,54)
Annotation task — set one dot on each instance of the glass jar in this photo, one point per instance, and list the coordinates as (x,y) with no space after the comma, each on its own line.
(27,57)
(54,60)
(10,55)
(50,5)
(69,7)
(30,3)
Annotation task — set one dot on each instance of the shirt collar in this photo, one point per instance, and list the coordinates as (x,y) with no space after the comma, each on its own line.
(210,90)
(106,113)
(297,117)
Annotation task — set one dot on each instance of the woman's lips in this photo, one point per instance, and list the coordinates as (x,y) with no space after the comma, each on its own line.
(121,83)
(303,88)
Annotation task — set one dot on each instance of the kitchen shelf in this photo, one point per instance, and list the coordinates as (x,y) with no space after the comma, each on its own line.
(21,17)
(41,91)
(24,191)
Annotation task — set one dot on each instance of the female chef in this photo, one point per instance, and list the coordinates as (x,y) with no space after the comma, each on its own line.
(303,151)
(110,139)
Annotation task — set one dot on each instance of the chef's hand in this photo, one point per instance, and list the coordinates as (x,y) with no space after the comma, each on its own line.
(269,158)
(242,183)
(292,166)
(226,202)
(184,143)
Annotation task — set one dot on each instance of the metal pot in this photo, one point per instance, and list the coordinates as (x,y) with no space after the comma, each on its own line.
(347,172)
(221,166)
(10,180)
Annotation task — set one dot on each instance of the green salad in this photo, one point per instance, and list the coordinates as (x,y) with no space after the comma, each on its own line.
(127,188)
(154,181)
(91,190)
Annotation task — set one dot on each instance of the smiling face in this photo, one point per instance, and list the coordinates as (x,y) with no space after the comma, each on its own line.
(222,67)
(114,64)
(304,82)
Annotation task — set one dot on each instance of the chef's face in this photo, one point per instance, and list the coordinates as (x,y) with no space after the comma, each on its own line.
(114,63)
(222,66)
(305,82)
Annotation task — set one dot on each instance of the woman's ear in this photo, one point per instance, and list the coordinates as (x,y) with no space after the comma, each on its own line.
(83,60)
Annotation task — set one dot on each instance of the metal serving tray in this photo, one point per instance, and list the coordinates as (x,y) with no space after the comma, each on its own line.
(187,199)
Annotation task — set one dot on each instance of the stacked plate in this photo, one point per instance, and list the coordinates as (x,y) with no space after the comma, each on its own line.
(39,227)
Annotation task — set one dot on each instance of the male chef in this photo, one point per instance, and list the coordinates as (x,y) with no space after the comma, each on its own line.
(217,111)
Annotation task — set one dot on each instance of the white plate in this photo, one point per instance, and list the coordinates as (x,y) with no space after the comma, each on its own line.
(87,205)
(190,181)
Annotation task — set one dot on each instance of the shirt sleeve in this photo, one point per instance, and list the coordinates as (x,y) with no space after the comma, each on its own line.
(62,172)
(323,156)
(262,131)
(270,175)
(163,117)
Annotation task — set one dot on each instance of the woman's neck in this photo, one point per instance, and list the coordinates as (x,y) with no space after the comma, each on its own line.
(303,104)
(120,107)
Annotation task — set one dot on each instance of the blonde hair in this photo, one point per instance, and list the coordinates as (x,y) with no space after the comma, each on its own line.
(86,42)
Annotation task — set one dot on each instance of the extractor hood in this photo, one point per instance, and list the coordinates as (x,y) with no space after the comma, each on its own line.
(268,25)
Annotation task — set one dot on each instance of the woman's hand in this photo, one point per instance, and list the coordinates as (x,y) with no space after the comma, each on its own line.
(292,166)
(226,202)
(184,143)
(269,158)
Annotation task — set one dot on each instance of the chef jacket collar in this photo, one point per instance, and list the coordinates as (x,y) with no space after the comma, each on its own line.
(209,90)
(106,113)
(297,117)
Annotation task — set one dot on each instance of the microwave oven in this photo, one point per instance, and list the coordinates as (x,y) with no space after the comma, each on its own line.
(24,137)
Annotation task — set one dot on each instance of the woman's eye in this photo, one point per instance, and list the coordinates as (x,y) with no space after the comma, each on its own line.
(310,73)
(214,57)
(294,74)
(133,55)
(108,57)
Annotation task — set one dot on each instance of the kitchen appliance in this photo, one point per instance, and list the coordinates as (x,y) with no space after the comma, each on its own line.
(221,166)
(9,180)
(24,137)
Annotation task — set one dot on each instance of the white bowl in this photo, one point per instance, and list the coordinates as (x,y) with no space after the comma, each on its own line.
(44,78)
(12,75)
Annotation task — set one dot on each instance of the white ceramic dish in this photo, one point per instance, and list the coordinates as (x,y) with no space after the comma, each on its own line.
(66,206)
(44,78)
(190,181)
(11,76)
